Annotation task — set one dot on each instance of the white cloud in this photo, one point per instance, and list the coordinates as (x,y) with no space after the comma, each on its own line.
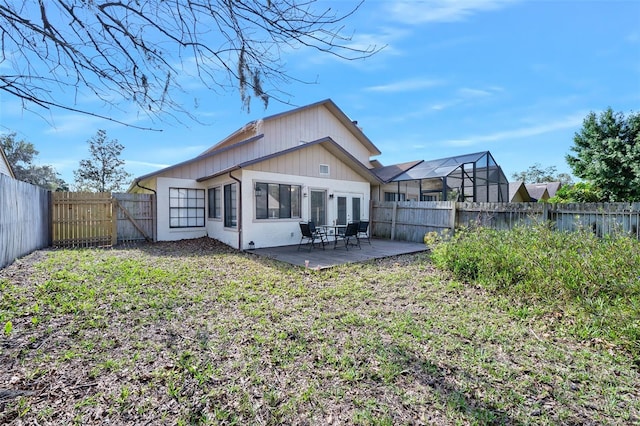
(413,12)
(568,122)
(405,86)
(146,164)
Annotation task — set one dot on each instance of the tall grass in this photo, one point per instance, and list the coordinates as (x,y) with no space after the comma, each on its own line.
(593,281)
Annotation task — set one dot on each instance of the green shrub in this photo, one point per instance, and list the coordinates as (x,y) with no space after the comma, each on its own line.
(597,280)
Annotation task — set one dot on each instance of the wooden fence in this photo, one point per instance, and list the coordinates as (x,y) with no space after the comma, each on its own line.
(24,219)
(411,220)
(84,219)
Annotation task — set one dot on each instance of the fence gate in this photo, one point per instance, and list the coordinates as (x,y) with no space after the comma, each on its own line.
(86,219)
(82,219)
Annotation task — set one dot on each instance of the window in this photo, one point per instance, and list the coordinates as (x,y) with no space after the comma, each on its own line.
(355,209)
(324,169)
(393,196)
(214,203)
(230,206)
(319,207)
(277,201)
(186,207)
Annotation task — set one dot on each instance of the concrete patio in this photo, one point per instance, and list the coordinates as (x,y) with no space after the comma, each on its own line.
(329,257)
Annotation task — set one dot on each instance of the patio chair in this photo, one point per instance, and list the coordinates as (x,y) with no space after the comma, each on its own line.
(309,237)
(363,231)
(319,232)
(347,235)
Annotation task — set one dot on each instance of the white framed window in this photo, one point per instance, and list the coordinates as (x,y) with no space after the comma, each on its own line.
(324,170)
(186,208)
(215,203)
(278,201)
(230,205)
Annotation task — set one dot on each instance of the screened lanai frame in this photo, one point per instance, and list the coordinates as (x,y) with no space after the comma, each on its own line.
(470,177)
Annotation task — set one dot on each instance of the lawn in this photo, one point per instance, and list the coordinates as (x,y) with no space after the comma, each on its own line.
(195,333)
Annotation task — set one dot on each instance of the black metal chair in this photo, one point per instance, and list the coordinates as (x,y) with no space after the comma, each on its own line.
(309,237)
(363,231)
(347,235)
(318,231)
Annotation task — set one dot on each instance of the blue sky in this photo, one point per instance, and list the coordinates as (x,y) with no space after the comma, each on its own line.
(513,77)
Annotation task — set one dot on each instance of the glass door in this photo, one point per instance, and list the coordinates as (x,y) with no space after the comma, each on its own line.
(348,209)
(319,207)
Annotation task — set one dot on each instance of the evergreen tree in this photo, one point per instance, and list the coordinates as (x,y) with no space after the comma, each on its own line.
(607,154)
(104,171)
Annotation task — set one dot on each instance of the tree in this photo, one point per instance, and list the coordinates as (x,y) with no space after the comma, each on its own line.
(103,172)
(138,51)
(607,154)
(21,155)
(581,192)
(536,174)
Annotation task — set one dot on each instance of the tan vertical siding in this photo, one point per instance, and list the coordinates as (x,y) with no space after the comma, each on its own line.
(281,133)
(306,162)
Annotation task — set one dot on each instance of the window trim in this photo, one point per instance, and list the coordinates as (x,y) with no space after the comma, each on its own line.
(294,206)
(230,205)
(187,204)
(215,210)
(321,173)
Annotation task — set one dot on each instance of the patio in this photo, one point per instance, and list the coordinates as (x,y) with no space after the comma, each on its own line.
(330,257)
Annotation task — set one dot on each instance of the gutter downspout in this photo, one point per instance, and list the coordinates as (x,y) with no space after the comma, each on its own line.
(155,210)
(239,210)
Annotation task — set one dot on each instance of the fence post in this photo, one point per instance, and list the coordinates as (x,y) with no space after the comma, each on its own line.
(545,213)
(393,221)
(452,217)
(114,220)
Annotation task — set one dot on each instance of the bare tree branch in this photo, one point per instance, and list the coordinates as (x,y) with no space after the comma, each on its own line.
(138,52)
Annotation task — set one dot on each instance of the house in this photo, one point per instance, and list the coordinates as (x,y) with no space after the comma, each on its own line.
(472,177)
(518,192)
(552,188)
(538,191)
(5,167)
(310,163)
(257,184)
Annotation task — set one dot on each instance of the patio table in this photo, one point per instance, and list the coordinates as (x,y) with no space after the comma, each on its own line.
(333,230)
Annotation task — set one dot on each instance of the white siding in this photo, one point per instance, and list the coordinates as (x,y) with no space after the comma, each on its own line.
(4,166)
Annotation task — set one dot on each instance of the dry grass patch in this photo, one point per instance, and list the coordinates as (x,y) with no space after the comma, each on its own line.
(194,333)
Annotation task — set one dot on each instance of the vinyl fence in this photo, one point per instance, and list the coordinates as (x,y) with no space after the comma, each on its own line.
(411,220)
(24,219)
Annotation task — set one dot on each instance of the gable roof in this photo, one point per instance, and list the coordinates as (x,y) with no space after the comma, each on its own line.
(518,188)
(552,188)
(537,191)
(5,161)
(198,158)
(254,126)
(329,144)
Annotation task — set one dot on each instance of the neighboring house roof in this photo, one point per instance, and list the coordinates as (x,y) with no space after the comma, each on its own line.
(5,167)
(552,188)
(256,125)
(537,191)
(518,192)
(388,173)
(327,143)
(440,168)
